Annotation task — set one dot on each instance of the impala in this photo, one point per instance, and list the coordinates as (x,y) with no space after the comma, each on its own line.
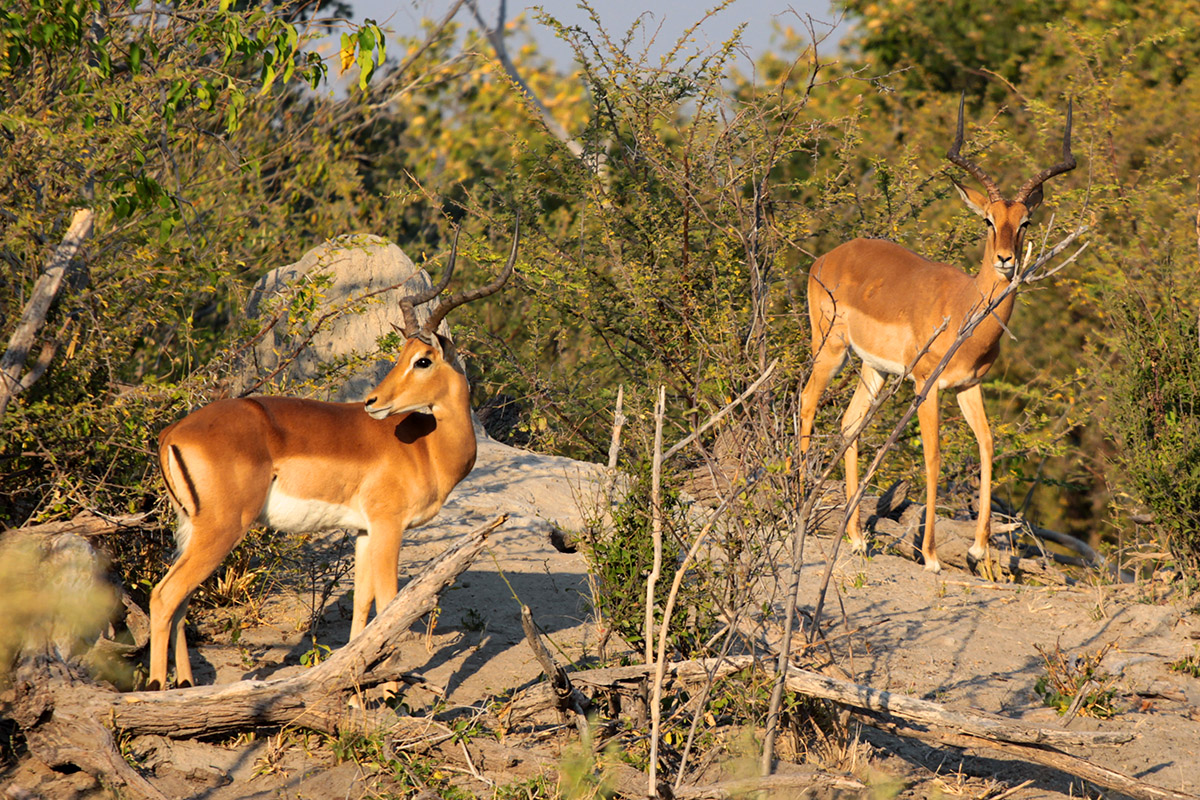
(301,465)
(887,304)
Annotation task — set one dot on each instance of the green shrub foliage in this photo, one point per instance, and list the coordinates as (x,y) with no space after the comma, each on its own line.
(1155,387)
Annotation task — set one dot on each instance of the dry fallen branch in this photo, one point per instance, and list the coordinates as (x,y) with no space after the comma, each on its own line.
(814,684)
(569,698)
(906,716)
(1049,757)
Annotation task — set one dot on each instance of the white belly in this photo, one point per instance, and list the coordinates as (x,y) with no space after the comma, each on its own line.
(300,515)
(879,364)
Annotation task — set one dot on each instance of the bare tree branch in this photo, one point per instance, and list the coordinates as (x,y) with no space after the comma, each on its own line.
(495,36)
(33,319)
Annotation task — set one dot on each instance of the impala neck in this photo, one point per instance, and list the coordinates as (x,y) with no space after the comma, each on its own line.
(455,431)
(990,283)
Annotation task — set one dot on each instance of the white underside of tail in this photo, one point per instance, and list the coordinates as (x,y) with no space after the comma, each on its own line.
(301,515)
(183,532)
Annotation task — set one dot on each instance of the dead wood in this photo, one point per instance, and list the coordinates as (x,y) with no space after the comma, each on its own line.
(85,524)
(569,698)
(63,726)
(908,716)
(61,712)
(1046,756)
(33,318)
(773,785)
(814,684)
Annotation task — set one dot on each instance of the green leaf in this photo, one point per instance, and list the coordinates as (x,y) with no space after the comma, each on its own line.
(366,39)
(268,79)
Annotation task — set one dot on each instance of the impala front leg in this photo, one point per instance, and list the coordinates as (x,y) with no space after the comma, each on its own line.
(382,572)
(927,415)
(971,403)
(364,584)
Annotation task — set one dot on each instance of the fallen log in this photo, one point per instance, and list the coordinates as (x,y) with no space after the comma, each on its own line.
(85,524)
(905,716)
(1046,756)
(814,684)
(58,708)
(316,698)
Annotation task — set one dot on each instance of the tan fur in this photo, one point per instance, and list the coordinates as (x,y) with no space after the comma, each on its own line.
(331,463)
(885,303)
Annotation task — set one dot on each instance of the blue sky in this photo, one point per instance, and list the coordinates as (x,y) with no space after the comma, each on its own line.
(668,18)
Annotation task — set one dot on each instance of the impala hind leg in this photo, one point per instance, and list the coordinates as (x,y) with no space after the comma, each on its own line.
(869,384)
(203,552)
(830,357)
(971,402)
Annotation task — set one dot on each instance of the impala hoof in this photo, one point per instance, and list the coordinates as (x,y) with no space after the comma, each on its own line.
(976,552)
(933,565)
(858,546)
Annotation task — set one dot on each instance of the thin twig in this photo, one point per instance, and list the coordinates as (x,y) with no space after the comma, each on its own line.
(619,421)
(652,580)
(715,418)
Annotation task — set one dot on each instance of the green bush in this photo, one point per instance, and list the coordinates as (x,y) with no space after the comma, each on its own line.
(621,551)
(1154,390)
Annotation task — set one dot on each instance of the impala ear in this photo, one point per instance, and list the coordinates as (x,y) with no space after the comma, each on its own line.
(446,345)
(975,200)
(1034,200)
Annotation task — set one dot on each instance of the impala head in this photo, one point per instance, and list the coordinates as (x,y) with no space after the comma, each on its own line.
(1006,220)
(426,373)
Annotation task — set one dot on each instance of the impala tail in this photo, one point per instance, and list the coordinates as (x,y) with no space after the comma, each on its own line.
(181,491)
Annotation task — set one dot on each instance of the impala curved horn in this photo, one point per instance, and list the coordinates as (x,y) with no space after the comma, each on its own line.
(462,298)
(970,166)
(409,304)
(1066,165)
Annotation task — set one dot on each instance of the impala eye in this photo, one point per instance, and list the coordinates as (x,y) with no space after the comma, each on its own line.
(990,224)
(422,363)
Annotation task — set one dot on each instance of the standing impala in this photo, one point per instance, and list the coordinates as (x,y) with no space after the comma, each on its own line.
(303,465)
(886,303)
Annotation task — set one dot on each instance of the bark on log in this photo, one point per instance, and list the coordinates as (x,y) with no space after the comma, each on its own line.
(56,710)
(569,698)
(60,711)
(905,716)
(85,524)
